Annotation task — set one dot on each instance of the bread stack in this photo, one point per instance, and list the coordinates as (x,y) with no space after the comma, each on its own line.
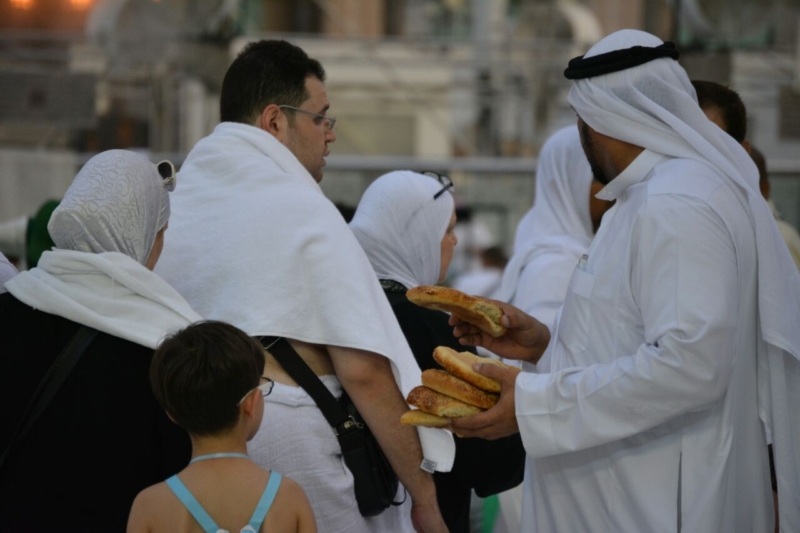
(451,393)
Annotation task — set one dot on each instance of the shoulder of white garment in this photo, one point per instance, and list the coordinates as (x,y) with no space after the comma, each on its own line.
(684,177)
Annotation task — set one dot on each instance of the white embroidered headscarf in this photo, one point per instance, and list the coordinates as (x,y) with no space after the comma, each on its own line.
(400,226)
(104,229)
(118,202)
(655,106)
(554,233)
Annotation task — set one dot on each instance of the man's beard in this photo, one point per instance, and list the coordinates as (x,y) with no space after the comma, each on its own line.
(591,155)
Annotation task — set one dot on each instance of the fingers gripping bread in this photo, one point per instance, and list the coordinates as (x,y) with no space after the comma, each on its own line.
(460,365)
(421,418)
(438,404)
(449,385)
(477,311)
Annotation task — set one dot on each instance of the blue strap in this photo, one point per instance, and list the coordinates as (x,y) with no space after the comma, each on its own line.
(192,505)
(219,456)
(265,502)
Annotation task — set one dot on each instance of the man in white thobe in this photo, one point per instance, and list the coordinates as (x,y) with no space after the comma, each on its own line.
(677,341)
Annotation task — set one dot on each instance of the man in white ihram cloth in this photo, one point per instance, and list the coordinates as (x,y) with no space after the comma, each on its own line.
(254,242)
(678,340)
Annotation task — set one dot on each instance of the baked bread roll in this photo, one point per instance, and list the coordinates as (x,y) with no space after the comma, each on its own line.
(438,404)
(460,365)
(449,385)
(475,310)
(416,417)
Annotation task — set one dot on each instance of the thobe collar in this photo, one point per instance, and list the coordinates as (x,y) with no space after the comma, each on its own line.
(635,173)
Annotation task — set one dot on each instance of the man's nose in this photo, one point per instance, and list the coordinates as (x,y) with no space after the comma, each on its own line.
(330,136)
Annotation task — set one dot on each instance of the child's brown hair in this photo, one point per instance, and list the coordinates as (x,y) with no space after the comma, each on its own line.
(200,373)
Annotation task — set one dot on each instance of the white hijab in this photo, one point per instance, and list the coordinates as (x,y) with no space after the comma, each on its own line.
(118,202)
(655,106)
(400,227)
(106,225)
(555,232)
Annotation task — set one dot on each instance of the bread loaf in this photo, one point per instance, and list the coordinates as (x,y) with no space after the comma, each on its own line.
(416,417)
(438,404)
(451,386)
(460,365)
(475,310)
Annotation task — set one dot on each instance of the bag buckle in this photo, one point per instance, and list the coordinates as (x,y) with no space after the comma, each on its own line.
(347,425)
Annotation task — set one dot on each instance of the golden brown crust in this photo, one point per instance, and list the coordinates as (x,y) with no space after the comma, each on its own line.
(473,309)
(451,386)
(416,417)
(438,404)
(460,365)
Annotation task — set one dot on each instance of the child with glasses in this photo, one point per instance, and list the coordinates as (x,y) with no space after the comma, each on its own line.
(208,378)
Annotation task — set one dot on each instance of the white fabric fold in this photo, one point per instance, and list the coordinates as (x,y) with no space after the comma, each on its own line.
(655,107)
(554,233)
(240,180)
(7,271)
(401,226)
(110,292)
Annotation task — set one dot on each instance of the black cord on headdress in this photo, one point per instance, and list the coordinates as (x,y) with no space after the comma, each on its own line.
(588,67)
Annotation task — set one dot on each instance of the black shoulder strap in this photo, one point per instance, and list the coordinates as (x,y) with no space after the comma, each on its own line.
(299,371)
(51,383)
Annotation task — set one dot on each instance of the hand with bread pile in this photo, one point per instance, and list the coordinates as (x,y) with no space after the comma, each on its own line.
(496,326)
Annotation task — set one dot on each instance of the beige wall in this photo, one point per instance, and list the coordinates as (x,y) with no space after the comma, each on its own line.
(354,17)
(619,14)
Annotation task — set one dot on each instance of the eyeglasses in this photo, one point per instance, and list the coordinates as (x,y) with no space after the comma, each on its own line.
(330,122)
(265,388)
(441,178)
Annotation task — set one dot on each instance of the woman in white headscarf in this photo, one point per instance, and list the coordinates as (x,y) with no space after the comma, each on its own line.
(556,231)
(405,224)
(102,438)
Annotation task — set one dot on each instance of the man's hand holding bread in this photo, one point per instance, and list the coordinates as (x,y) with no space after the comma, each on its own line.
(499,327)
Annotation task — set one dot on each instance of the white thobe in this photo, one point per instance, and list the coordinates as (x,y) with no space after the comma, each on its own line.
(648,421)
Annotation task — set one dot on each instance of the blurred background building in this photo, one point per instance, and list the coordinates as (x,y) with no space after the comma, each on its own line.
(471,88)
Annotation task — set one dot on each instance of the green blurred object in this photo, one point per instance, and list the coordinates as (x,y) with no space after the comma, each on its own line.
(491,506)
(37,239)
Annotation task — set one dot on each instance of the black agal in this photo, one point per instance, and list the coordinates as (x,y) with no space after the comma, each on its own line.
(588,67)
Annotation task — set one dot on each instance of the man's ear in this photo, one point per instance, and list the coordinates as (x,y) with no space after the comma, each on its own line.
(273,121)
(170,417)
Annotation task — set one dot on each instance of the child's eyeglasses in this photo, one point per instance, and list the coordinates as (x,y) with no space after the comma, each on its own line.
(265,388)
(446,182)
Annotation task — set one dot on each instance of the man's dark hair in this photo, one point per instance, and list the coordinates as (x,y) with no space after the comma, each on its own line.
(727,101)
(200,373)
(264,73)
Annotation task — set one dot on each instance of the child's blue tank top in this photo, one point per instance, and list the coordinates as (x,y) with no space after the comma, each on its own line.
(202,517)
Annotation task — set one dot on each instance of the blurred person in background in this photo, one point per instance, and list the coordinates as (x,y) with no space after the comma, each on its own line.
(94,301)
(788,232)
(26,238)
(250,190)
(474,236)
(404,222)
(677,343)
(723,107)
(485,280)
